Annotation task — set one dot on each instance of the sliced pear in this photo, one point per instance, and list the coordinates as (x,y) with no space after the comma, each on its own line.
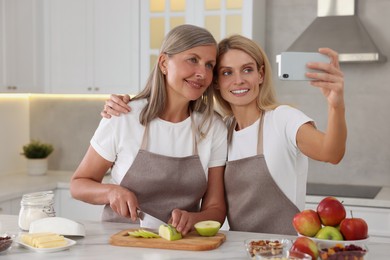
(148,234)
(143,233)
(207,228)
(169,232)
(134,233)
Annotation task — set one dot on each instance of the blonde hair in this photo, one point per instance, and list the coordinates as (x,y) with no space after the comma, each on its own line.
(179,39)
(266,100)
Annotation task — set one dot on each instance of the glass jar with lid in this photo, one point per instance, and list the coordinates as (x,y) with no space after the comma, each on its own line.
(35,206)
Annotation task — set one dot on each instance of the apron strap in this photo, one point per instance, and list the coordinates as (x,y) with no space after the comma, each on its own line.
(194,142)
(260,136)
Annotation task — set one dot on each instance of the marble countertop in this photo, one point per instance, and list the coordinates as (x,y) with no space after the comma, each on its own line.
(15,185)
(95,245)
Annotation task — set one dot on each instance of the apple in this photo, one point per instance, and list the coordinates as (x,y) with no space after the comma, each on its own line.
(354,228)
(307,222)
(207,228)
(329,233)
(305,245)
(331,211)
(169,232)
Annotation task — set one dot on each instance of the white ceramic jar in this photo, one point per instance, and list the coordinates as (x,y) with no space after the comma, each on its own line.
(35,206)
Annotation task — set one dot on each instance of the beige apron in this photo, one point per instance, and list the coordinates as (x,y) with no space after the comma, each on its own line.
(255,202)
(162,183)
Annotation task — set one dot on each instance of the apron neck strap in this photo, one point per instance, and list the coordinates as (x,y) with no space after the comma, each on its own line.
(260,135)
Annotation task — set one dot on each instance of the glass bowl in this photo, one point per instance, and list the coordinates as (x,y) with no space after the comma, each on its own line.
(287,255)
(345,251)
(5,242)
(266,247)
(334,242)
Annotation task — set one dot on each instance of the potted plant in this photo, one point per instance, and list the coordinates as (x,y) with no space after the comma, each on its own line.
(37,154)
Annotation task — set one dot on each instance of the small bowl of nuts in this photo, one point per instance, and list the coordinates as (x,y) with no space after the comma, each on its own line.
(266,247)
(5,242)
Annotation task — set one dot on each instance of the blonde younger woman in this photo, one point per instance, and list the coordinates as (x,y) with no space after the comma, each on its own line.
(269,144)
(168,154)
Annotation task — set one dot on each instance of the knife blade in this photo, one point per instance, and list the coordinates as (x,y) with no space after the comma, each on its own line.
(149,221)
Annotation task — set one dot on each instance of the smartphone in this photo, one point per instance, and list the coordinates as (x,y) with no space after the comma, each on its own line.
(292,65)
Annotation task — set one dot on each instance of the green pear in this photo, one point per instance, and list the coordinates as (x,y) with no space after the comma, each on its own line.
(169,232)
(329,233)
(207,228)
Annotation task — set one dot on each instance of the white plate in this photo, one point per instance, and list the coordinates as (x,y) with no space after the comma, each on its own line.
(70,243)
(332,242)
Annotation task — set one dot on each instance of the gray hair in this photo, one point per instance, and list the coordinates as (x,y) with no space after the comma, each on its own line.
(179,39)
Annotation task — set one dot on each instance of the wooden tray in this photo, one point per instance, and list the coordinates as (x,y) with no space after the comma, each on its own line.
(192,241)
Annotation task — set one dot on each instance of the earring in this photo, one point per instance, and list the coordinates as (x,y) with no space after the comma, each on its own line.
(164,72)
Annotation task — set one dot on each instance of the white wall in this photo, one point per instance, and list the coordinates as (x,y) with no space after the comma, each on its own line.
(14,132)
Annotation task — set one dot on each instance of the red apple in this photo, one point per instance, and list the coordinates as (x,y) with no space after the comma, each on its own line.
(305,245)
(354,228)
(307,222)
(331,211)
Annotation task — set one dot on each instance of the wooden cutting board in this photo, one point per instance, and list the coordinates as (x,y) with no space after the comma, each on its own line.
(192,241)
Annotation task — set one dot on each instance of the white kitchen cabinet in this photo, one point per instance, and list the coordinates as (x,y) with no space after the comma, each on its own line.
(378,219)
(5,207)
(21,52)
(68,207)
(94,46)
(11,207)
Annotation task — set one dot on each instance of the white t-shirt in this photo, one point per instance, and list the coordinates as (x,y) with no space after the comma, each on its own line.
(118,140)
(287,165)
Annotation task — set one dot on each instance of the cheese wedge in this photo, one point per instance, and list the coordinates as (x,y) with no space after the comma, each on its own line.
(44,240)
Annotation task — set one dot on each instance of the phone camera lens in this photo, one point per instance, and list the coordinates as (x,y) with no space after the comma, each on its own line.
(285,76)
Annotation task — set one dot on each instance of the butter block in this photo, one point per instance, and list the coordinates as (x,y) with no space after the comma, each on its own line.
(44,240)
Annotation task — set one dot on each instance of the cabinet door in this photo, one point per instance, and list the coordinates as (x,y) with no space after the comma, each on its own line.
(93,46)
(116,46)
(21,37)
(69,41)
(67,207)
(5,207)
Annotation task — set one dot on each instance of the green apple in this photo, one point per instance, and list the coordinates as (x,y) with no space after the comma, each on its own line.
(329,233)
(207,228)
(169,232)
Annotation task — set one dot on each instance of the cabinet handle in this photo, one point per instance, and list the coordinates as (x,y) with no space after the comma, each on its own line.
(89,88)
(97,89)
(12,87)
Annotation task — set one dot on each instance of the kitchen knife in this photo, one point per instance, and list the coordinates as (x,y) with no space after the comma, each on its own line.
(148,221)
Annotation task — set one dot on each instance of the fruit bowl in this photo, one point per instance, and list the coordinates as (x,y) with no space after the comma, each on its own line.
(334,242)
(266,247)
(346,251)
(5,242)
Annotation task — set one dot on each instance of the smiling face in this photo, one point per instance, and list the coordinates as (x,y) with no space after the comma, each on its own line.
(189,73)
(239,79)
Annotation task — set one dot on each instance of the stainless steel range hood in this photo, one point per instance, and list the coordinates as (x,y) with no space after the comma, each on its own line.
(337,27)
